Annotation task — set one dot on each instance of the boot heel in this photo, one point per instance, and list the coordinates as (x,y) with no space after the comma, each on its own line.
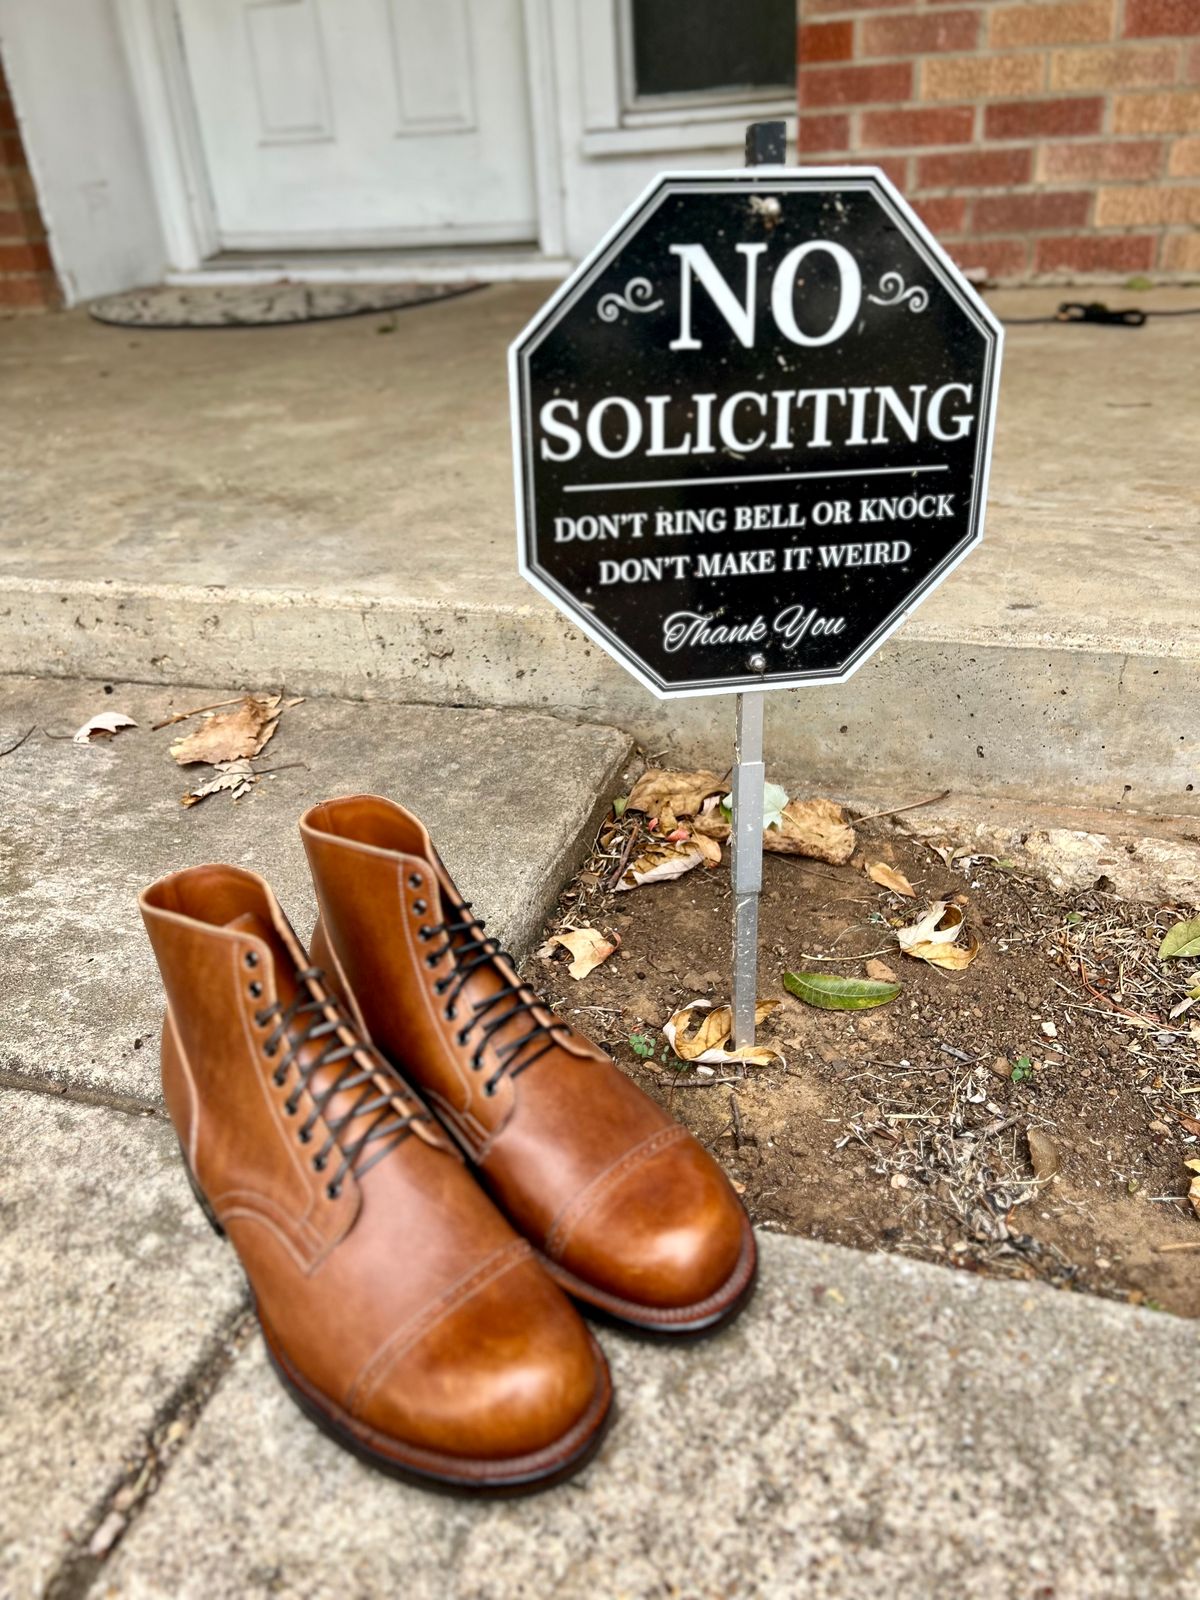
(202,1199)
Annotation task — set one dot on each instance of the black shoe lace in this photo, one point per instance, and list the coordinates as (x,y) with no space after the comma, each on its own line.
(322,1021)
(472,949)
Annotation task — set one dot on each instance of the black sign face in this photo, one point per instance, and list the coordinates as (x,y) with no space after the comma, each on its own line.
(753,429)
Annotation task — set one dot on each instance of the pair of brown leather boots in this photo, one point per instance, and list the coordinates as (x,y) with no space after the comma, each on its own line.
(412,1301)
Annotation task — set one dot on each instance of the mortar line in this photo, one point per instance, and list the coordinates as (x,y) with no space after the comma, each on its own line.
(79,1569)
(32,1083)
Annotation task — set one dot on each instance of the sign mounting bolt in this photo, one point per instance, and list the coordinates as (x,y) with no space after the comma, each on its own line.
(757,663)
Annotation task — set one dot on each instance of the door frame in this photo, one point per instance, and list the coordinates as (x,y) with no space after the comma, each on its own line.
(153,41)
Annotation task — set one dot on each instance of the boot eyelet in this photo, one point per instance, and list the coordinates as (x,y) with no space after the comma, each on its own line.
(424,933)
(289,1108)
(270,1051)
(279,1079)
(489,1089)
(449,1013)
(432,961)
(318,1163)
(419,908)
(251,959)
(333,1190)
(414,880)
(304,1136)
(460,1038)
(255,989)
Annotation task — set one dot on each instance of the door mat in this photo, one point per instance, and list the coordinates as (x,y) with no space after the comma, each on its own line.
(264,305)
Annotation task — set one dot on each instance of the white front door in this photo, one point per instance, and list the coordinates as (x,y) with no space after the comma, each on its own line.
(334,124)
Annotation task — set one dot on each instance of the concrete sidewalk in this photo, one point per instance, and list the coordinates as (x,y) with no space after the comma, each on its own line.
(331,506)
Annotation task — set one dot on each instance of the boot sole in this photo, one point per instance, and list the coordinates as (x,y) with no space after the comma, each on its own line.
(428,1469)
(670,1322)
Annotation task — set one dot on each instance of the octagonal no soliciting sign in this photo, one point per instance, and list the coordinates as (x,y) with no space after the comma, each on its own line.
(752,430)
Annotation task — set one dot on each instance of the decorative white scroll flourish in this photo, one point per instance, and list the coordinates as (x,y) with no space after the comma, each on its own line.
(894,293)
(636,298)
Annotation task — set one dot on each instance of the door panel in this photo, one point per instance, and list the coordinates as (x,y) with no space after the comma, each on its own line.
(343,123)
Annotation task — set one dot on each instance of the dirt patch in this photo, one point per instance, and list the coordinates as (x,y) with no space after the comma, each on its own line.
(910,1127)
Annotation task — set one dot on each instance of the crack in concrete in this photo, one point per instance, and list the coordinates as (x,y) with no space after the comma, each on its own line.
(132,1491)
(133,1105)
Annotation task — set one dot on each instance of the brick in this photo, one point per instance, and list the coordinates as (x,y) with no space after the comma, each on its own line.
(1130,159)
(1181,252)
(826,41)
(917,33)
(1147,204)
(896,167)
(917,126)
(1123,67)
(829,132)
(1044,119)
(1075,22)
(1191,64)
(974,169)
(822,8)
(1096,252)
(1185,159)
(981,77)
(1157,113)
(27,294)
(1025,213)
(998,258)
(854,86)
(1146,17)
(941,214)
(24,258)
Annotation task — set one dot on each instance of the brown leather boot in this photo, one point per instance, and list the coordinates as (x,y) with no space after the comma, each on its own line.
(629,1213)
(399,1308)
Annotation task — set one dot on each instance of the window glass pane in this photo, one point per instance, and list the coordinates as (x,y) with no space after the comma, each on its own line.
(687,46)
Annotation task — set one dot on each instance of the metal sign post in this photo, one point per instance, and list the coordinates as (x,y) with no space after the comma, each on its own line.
(766,145)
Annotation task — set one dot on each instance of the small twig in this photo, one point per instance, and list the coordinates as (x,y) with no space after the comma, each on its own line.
(1179,1244)
(286,767)
(696,1083)
(737,1120)
(182,716)
(873,816)
(20,741)
(1099,995)
(889,949)
(625,855)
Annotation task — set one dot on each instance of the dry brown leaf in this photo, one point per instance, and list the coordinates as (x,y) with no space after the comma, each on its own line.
(239,777)
(706,1045)
(680,793)
(586,947)
(711,821)
(708,848)
(890,878)
(232,735)
(1194,1186)
(815,828)
(103,726)
(661,862)
(1043,1153)
(951,957)
(941,924)
(881,972)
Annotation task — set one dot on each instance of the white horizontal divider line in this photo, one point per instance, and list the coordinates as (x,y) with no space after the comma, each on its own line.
(749,477)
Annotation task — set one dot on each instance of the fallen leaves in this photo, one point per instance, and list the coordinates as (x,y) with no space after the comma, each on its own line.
(1044,1154)
(1193,1193)
(890,878)
(815,828)
(699,1033)
(661,862)
(231,735)
(933,938)
(666,796)
(587,949)
(104,726)
(1181,940)
(239,777)
(832,993)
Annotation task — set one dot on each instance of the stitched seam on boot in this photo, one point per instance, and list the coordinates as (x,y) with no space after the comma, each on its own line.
(193,1132)
(578,1207)
(399,1343)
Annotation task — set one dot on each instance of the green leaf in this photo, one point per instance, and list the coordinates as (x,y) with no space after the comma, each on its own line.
(642,1045)
(1022,1069)
(1181,940)
(619,805)
(1073,917)
(832,993)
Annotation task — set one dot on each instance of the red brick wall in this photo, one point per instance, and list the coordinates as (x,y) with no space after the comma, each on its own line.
(27,281)
(1053,139)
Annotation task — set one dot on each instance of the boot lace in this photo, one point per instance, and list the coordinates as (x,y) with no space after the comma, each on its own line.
(304,1021)
(472,948)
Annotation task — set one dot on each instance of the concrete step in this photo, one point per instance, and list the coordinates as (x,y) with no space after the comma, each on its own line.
(331,508)
(512,799)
